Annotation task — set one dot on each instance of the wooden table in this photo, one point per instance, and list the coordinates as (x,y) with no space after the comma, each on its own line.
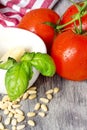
(68,108)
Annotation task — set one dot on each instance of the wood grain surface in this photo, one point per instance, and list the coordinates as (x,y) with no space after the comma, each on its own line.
(68,108)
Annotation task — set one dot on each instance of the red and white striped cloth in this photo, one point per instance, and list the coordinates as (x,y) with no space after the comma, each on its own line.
(11,11)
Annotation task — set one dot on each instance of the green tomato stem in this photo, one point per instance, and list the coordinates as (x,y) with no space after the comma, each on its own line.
(80,27)
(59,27)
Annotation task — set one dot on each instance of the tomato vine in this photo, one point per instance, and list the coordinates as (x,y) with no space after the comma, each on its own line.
(82,10)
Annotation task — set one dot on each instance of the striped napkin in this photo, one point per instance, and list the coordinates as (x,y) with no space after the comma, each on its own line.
(11,11)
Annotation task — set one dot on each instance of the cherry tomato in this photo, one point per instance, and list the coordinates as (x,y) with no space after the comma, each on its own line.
(69,52)
(69,15)
(34,21)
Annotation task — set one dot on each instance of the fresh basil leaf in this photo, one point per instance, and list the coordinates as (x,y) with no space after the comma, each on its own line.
(9,63)
(44,63)
(28,68)
(27,56)
(17,79)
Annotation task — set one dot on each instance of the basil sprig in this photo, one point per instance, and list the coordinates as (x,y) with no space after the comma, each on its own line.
(19,73)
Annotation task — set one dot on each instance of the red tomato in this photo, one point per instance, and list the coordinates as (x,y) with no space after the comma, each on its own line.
(34,21)
(68,16)
(69,52)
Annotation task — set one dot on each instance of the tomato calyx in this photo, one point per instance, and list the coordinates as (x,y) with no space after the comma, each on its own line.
(82,10)
(52,24)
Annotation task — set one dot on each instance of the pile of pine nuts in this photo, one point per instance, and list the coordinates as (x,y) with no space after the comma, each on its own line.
(13,113)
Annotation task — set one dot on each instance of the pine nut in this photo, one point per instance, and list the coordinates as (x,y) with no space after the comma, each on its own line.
(32,91)
(44,107)
(37,106)
(3,106)
(14,122)
(56,90)
(18,100)
(9,108)
(32,96)
(49,91)
(6,111)
(31,123)
(13,127)
(25,96)
(10,114)
(16,106)
(1,126)
(15,102)
(5,98)
(49,96)
(42,114)
(7,121)
(19,111)
(20,127)
(44,100)
(20,118)
(33,88)
(31,114)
